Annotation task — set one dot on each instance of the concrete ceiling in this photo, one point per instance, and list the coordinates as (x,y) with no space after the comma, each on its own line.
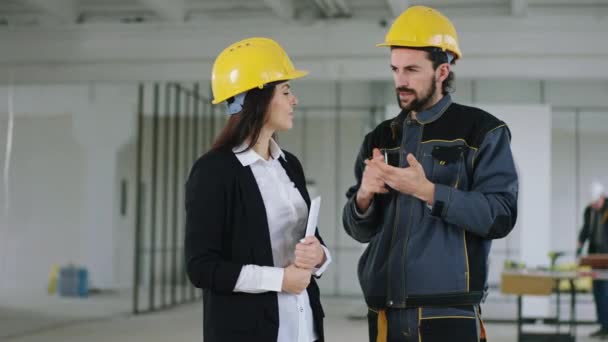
(15,13)
(118,40)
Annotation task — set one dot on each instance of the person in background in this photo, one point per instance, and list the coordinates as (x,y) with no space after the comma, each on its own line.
(595,230)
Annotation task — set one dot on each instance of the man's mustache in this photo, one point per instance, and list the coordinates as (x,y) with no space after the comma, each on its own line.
(405,90)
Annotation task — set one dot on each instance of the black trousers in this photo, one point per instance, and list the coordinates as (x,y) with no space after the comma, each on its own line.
(426,324)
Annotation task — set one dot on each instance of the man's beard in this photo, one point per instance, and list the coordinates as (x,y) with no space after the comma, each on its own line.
(417,104)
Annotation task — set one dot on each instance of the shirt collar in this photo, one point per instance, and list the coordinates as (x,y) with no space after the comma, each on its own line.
(250,156)
(433,113)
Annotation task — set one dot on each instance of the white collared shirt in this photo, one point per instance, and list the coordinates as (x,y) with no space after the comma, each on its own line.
(287,213)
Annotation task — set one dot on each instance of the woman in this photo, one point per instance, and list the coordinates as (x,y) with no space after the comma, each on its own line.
(247,207)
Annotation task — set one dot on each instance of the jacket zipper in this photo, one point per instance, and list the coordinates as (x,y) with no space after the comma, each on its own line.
(403,137)
(464,232)
(409,223)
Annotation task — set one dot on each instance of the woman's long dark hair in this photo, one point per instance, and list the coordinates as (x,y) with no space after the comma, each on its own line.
(248,123)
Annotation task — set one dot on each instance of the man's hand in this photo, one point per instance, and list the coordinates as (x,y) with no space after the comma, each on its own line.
(371,182)
(410,180)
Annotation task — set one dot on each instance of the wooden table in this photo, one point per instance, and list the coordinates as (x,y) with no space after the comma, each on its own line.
(541,283)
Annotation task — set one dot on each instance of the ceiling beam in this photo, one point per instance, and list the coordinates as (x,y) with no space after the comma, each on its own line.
(64,10)
(339,7)
(168,10)
(506,47)
(285,9)
(519,8)
(397,6)
(334,8)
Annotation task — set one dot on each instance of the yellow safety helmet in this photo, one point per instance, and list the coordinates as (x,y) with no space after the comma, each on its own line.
(421,26)
(248,64)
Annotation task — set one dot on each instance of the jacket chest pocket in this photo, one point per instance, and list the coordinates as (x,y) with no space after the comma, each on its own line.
(447,164)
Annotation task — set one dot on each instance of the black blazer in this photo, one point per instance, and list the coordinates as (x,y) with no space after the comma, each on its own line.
(226,228)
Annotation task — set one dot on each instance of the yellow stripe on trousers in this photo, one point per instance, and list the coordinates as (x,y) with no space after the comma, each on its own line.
(382,326)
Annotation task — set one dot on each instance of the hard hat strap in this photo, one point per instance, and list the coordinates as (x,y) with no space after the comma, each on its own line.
(450,57)
(235,104)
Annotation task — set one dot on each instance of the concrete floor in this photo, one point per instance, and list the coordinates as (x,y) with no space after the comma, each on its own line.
(105,318)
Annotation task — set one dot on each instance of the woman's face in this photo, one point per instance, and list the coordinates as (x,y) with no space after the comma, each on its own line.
(280,110)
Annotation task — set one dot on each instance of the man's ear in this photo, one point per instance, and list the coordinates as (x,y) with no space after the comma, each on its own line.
(444,71)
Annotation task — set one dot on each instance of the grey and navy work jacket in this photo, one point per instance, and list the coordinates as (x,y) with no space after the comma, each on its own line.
(420,255)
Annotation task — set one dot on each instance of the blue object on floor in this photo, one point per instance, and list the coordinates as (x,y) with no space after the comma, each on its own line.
(73,281)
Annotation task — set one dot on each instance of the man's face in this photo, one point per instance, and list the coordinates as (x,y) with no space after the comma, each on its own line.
(598,203)
(416,82)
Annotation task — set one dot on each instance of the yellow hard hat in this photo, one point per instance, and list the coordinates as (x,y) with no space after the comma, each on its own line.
(421,26)
(248,64)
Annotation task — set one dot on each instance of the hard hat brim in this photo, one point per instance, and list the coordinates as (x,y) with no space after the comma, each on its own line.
(290,76)
(406,44)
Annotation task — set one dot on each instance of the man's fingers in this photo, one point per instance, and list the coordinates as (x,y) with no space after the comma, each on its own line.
(376,154)
(379,190)
(381,167)
(412,160)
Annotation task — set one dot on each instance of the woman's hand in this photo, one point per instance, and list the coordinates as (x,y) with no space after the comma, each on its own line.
(309,253)
(295,280)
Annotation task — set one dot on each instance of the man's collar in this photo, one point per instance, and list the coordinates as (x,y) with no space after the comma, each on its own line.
(434,112)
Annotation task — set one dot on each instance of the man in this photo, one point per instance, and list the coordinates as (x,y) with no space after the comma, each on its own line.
(595,229)
(430,221)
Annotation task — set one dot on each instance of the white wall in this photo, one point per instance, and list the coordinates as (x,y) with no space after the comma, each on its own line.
(562,96)
(567,212)
(42,225)
(530,126)
(60,205)
(51,220)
